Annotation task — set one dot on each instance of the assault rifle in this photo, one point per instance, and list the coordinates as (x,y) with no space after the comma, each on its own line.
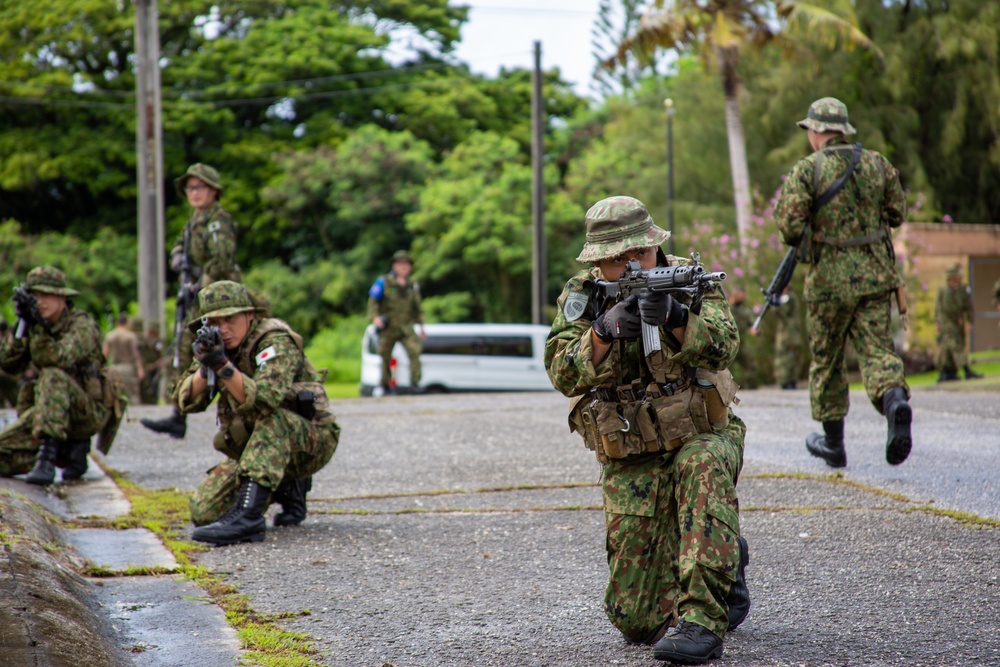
(692,280)
(209,336)
(783,276)
(26,302)
(185,296)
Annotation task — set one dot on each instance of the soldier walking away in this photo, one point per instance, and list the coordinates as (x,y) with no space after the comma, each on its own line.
(838,205)
(394,307)
(953,314)
(204,253)
(121,349)
(70,399)
(276,426)
(670,447)
(744,368)
(151,351)
(787,341)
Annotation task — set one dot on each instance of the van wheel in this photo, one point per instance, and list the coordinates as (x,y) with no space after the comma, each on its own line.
(435,389)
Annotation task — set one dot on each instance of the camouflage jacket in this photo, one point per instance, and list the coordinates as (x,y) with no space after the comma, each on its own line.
(711,341)
(789,332)
(213,246)
(74,346)
(400,304)
(953,308)
(743,316)
(843,263)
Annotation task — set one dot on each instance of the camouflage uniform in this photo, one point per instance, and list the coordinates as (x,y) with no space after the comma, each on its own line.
(151,351)
(400,306)
(65,402)
(264,438)
(670,504)
(852,272)
(744,368)
(9,384)
(787,341)
(122,348)
(952,311)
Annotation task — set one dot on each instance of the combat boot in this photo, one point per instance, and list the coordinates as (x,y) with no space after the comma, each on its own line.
(947,375)
(971,374)
(243,522)
(175,425)
(77,459)
(291,494)
(44,471)
(791,384)
(829,445)
(898,416)
(688,643)
(738,599)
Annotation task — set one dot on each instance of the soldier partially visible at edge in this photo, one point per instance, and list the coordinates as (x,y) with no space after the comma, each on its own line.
(9,384)
(953,314)
(276,427)
(151,351)
(850,278)
(211,256)
(394,308)
(787,341)
(744,367)
(70,399)
(677,568)
(121,349)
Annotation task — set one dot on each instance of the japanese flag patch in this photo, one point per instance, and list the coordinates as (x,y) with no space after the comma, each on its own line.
(266,355)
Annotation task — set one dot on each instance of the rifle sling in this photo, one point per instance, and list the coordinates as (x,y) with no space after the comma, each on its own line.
(838,184)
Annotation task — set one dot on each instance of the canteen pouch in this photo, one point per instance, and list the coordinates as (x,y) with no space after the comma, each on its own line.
(673,417)
(715,390)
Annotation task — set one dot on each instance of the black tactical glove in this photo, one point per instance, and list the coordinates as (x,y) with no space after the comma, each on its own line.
(209,350)
(25,304)
(621,321)
(660,308)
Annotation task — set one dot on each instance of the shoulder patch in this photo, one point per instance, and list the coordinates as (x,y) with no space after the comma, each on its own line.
(575,304)
(266,355)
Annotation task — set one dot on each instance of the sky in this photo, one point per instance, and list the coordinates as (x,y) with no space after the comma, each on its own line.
(503,32)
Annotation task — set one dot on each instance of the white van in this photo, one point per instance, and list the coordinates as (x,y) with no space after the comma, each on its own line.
(465,357)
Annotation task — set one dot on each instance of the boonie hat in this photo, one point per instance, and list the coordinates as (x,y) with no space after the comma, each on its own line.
(402,256)
(200,171)
(827,115)
(953,271)
(222,299)
(48,280)
(617,224)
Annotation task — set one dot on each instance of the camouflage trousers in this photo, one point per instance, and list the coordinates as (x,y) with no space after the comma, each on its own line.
(786,363)
(55,406)
(281,444)
(829,324)
(951,349)
(131,381)
(411,343)
(744,367)
(672,523)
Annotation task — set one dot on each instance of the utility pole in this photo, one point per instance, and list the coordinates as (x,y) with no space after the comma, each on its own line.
(669,104)
(539,269)
(149,163)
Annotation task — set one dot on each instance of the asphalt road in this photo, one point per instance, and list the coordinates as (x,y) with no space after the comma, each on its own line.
(466,530)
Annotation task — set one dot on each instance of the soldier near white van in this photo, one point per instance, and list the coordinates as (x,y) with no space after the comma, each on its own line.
(394,308)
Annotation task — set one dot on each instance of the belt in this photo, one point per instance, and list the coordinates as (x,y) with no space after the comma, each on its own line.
(628,393)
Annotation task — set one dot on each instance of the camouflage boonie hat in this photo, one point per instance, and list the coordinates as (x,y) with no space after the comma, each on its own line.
(953,271)
(200,171)
(401,256)
(616,225)
(48,280)
(827,115)
(222,299)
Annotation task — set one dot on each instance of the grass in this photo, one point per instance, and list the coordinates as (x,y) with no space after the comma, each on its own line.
(336,390)
(986,363)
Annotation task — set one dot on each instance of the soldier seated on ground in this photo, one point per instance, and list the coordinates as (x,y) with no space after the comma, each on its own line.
(276,428)
(68,399)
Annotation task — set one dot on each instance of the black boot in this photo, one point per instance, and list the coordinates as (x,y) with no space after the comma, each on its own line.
(738,599)
(244,522)
(175,425)
(789,385)
(829,445)
(898,415)
(76,459)
(44,471)
(688,643)
(947,375)
(971,374)
(291,494)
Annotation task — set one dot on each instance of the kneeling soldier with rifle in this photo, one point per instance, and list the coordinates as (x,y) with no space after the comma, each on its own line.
(277,429)
(641,344)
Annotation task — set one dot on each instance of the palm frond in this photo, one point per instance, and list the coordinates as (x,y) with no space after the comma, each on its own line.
(824,23)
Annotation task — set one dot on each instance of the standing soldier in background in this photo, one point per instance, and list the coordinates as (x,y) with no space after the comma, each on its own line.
(787,341)
(71,399)
(207,252)
(841,202)
(394,307)
(151,351)
(744,368)
(121,349)
(953,313)
(8,383)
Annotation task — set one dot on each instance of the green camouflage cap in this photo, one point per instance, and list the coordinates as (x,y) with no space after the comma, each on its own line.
(616,225)
(401,256)
(953,271)
(827,115)
(222,299)
(48,280)
(200,171)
